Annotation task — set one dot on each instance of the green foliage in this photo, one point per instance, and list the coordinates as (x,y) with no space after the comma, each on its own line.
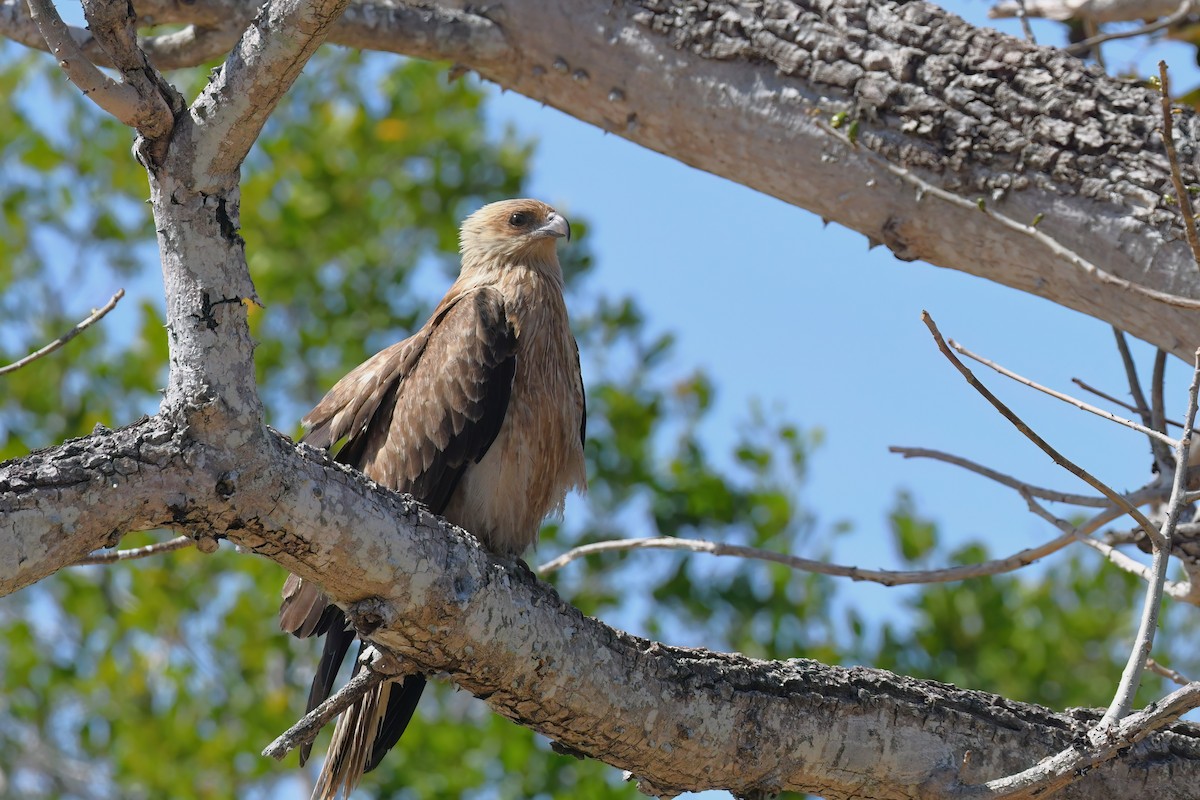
(166,677)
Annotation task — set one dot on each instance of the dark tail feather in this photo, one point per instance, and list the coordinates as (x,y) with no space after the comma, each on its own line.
(337,643)
(364,732)
(402,702)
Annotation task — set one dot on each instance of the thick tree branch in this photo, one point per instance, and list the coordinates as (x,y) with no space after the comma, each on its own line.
(227,117)
(742,93)
(451,608)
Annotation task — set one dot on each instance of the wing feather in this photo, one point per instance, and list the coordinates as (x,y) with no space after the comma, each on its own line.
(413,416)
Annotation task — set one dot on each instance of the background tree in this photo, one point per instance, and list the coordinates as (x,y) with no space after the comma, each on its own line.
(125,657)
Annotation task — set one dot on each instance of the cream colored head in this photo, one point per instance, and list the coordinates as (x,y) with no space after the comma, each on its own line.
(512,231)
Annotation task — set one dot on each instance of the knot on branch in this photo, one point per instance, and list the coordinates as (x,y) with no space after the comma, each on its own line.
(207,542)
(369,615)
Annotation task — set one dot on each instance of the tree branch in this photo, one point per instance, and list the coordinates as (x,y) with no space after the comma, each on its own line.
(970,121)
(1058,458)
(376,668)
(1066,398)
(1087,387)
(750,725)
(229,114)
(95,316)
(1071,764)
(169,546)
(118,99)
(1053,495)
(1131,677)
(882,576)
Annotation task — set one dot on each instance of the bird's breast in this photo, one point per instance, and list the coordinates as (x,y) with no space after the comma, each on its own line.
(537,457)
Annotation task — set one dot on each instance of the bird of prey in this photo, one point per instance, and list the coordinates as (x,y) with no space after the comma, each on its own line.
(480,415)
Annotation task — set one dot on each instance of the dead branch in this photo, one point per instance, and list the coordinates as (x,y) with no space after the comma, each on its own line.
(1066,398)
(1182,197)
(1131,677)
(93,318)
(1042,444)
(178,543)
(1052,495)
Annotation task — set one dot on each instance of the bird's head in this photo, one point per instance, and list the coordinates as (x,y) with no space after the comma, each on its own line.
(512,231)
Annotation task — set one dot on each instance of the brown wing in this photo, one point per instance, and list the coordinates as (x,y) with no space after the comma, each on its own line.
(414,415)
(418,412)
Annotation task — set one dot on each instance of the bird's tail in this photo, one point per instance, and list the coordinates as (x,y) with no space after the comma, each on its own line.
(365,732)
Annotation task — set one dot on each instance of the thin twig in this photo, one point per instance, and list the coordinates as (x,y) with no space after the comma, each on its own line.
(1052,495)
(1087,387)
(1066,398)
(1135,385)
(1158,413)
(112,556)
(1168,136)
(376,667)
(1178,591)
(1131,677)
(66,337)
(1045,447)
(1158,377)
(883,576)
(1165,22)
(1058,771)
(1172,675)
(1026,28)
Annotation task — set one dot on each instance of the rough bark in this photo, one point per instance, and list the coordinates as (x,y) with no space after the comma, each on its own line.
(748,95)
(747,91)
(677,719)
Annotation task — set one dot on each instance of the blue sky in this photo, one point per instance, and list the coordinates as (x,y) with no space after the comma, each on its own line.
(803,318)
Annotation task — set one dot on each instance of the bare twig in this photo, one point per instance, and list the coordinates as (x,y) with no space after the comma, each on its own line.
(1026,28)
(1087,387)
(1168,673)
(883,576)
(1166,22)
(1052,495)
(1066,398)
(1135,385)
(112,556)
(68,336)
(1178,591)
(1131,677)
(376,667)
(1045,447)
(1168,136)
(1058,771)
(1158,414)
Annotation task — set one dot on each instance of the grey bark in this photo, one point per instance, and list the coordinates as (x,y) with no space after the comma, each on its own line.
(675,718)
(747,94)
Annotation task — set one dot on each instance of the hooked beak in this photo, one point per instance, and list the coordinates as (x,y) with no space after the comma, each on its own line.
(556,226)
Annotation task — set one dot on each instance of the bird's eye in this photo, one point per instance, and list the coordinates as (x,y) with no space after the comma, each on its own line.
(519,219)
